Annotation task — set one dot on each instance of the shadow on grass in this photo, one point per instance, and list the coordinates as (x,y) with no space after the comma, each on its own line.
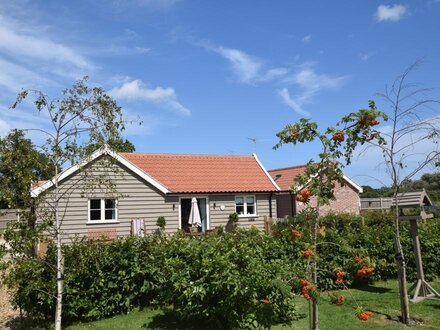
(170,320)
(372,289)
(436,306)
(23,323)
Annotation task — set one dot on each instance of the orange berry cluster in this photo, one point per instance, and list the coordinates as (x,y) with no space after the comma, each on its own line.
(338,136)
(306,287)
(265,301)
(308,253)
(295,233)
(365,271)
(358,260)
(340,277)
(368,121)
(294,134)
(340,300)
(364,316)
(304,195)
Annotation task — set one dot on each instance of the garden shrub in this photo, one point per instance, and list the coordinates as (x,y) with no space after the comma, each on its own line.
(223,280)
(370,235)
(240,279)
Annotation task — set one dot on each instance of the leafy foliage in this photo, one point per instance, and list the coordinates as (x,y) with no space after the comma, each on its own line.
(20,164)
(116,144)
(242,279)
(221,280)
(367,237)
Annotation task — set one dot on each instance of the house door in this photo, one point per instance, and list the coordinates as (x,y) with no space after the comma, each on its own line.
(185,209)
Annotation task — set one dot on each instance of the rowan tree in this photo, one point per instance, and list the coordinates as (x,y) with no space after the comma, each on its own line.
(321,176)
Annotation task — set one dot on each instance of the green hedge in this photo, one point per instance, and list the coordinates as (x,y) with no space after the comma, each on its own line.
(370,235)
(220,281)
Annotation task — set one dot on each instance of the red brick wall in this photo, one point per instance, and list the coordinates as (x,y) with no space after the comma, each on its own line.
(347,201)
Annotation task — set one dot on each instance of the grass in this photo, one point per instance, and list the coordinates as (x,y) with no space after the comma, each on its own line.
(382,299)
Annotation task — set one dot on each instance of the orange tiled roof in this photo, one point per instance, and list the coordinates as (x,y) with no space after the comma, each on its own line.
(182,173)
(284,176)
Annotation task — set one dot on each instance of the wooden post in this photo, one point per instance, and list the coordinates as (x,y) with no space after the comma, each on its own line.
(422,289)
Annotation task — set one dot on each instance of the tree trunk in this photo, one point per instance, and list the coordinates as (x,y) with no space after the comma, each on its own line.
(401,269)
(60,282)
(60,260)
(314,316)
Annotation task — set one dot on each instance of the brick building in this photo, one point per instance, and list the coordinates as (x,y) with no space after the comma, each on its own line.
(347,195)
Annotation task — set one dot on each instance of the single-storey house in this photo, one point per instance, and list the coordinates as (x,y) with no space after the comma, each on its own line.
(347,195)
(151,185)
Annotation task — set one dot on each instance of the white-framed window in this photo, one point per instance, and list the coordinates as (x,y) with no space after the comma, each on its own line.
(103,210)
(245,205)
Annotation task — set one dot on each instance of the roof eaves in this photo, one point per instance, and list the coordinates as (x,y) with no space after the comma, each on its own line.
(102,151)
(265,172)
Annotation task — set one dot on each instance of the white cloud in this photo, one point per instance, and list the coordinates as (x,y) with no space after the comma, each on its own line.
(365,56)
(274,73)
(245,67)
(312,82)
(390,13)
(252,70)
(307,38)
(4,128)
(17,42)
(14,77)
(293,104)
(117,51)
(309,82)
(135,91)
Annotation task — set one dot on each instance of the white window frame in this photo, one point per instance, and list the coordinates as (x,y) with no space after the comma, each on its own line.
(103,220)
(245,214)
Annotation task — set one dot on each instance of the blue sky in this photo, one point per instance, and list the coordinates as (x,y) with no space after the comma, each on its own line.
(215,76)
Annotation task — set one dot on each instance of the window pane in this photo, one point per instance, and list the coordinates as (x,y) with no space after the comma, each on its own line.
(239,209)
(95,204)
(250,200)
(239,200)
(95,215)
(110,214)
(250,209)
(110,203)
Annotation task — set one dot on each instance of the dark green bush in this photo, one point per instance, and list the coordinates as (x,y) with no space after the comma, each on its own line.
(224,280)
(219,280)
(346,236)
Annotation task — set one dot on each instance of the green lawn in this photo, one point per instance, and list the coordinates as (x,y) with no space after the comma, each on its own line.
(382,299)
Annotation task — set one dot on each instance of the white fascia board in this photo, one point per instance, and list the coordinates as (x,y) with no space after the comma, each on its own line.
(355,185)
(103,151)
(267,173)
(347,179)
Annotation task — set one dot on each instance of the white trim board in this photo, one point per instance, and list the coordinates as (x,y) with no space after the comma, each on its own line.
(265,172)
(103,151)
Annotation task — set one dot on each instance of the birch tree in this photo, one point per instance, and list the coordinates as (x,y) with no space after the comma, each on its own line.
(82,116)
(412,145)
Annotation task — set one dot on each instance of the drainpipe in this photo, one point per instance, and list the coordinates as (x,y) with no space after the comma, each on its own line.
(270,205)
(293,201)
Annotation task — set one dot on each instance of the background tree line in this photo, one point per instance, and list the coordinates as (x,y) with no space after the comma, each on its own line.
(428,181)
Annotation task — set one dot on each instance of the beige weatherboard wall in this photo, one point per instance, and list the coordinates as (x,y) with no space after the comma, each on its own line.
(136,198)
